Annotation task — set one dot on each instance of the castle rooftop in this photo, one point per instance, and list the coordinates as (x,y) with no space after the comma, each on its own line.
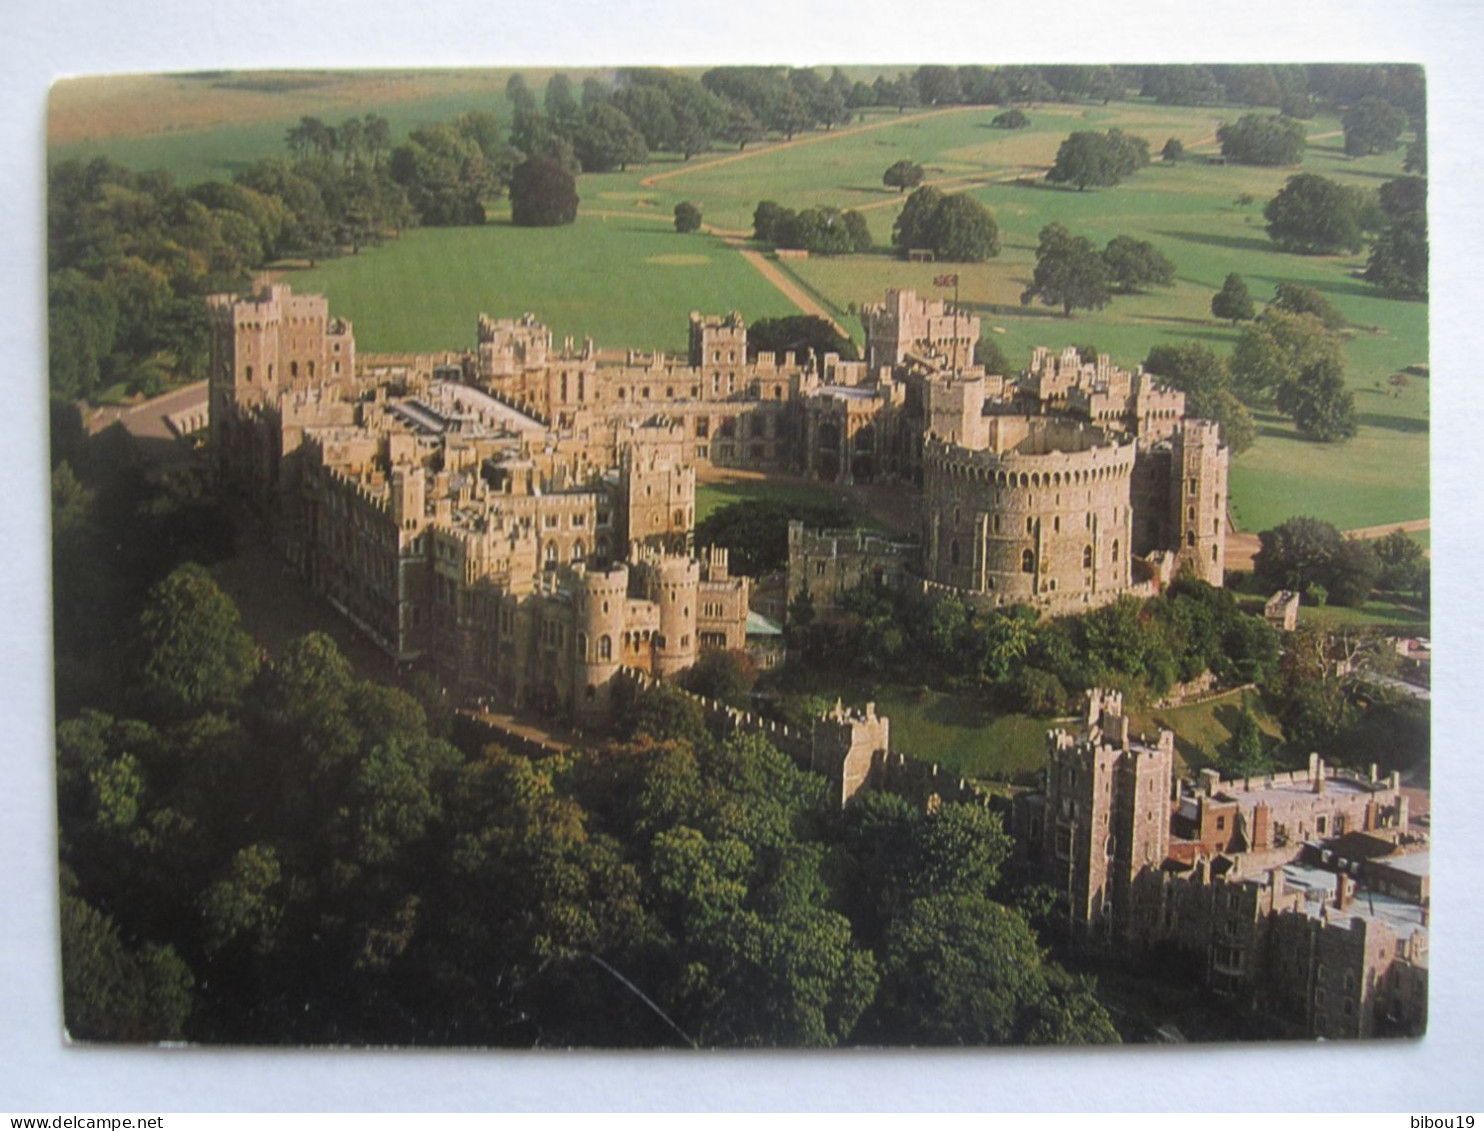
(1318,888)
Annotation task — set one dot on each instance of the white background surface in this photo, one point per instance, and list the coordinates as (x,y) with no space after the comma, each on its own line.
(46,40)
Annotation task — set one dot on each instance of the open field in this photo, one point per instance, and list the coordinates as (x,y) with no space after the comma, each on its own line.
(621,276)
(621,280)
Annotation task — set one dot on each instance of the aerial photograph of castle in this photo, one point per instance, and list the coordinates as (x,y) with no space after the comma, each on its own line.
(743,556)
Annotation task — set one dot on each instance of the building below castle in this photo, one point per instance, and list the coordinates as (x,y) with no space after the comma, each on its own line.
(1256,879)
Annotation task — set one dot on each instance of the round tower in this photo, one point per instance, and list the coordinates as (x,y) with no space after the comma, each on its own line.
(675,588)
(601,597)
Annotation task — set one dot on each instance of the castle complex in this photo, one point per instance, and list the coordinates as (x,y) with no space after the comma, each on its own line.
(521,514)
(1255,877)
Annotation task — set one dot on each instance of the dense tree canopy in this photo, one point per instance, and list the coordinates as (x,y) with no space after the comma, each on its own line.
(1205,378)
(1306,552)
(1313,215)
(1373,125)
(1321,405)
(1399,259)
(1136,264)
(755,531)
(1296,299)
(800,333)
(687,217)
(954,227)
(542,195)
(903,175)
(1087,159)
(1232,303)
(1070,272)
(1275,348)
(1263,139)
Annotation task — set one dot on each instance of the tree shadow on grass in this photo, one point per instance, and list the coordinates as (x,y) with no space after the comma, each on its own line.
(1326,286)
(1393,423)
(1233,243)
(872,190)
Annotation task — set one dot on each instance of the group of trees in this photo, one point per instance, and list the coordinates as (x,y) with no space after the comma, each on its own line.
(1313,559)
(801,333)
(1204,376)
(271,850)
(1399,257)
(1257,139)
(1098,160)
(1072,273)
(1023,663)
(954,226)
(819,231)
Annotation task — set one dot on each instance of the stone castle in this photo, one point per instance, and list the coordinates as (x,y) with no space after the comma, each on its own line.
(521,514)
(1255,878)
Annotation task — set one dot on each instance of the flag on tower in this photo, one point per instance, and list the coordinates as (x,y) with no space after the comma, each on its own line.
(946,281)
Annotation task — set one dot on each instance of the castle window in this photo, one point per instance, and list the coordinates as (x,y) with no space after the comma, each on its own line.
(1213,555)
(1190,514)
(293,369)
(249,372)
(953,551)
(578,552)
(1086,557)
(605,646)
(1190,538)
(1028,562)
(1192,485)
(1216,526)
(1115,549)
(1056,524)
(1030,524)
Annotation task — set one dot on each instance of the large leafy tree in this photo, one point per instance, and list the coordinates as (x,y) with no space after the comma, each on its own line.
(1070,273)
(542,195)
(1232,303)
(1399,260)
(1263,139)
(195,654)
(1275,348)
(1205,378)
(605,139)
(1135,264)
(903,175)
(1313,215)
(1373,125)
(1087,159)
(1321,406)
(1305,552)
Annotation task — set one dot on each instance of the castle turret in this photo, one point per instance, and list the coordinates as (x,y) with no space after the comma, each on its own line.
(674,585)
(1198,498)
(600,597)
(717,340)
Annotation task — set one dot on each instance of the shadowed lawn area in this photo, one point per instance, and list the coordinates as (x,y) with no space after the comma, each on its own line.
(1204,730)
(711,497)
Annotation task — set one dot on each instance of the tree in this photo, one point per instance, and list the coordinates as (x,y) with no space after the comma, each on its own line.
(964,231)
(1205,378)
(605,139)
(1372,125)
(1321,406)
(956,227)
(1304,552)
(542,195)
(1173,151)
(1133,264)
(768,220)
(1232,303)
(1312,215)
(687,217)
(905,174)
(913,225)
(1404,566)
(1012,119)
(1275,348)
(1399,259)
(1069,273)
(1263,139)
(196,655)
(1099,160)
(754,532)
(1295,299)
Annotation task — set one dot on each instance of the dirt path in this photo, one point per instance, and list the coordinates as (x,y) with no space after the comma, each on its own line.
(809,139)
(1242,546)
(785,286)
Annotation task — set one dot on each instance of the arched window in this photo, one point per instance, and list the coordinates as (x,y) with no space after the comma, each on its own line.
(578,551)
(1028,562)
(605,647)
(1190,538)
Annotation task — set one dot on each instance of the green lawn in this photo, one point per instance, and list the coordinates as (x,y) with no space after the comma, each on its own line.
(1202,730)
(711,497)
(624,282)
